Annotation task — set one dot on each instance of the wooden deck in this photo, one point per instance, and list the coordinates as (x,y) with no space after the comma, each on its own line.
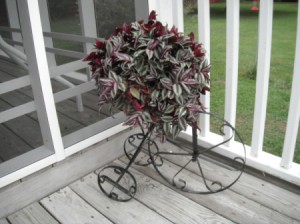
(251,200)
(23,134)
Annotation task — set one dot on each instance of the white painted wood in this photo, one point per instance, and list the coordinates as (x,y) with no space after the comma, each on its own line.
(132,212)
(10,29)
(255,189)
(204,37)
(79,102)
(235,206)
(32,188)
(4,221)
(70,92)
(77,76)
(32,214)
(12,42)
(164,11)
(14,84)
(178,15)
(141,10)
(68,207)
(17,111)
(89,141)
(19,54)
(69,67)
(68,53)
(172,205)
(23,172)
(13,18)
(58,97)
(13,53)
(153,5)
(24,160)
(39,75)
(87,21)
(266,162)
(232,61)
(45,19)
(294,110)
(49,43)
(71,37)
(263,73)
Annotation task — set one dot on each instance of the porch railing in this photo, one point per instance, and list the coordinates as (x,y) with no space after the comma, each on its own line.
(171,11)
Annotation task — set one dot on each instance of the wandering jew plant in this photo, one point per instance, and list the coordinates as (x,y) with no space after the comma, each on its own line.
(153,74)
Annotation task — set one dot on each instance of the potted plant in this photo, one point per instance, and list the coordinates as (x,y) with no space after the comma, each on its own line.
(154,74)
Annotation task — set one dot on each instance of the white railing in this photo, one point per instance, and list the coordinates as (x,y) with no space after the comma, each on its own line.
(282,167)
(41,67)
(172,13)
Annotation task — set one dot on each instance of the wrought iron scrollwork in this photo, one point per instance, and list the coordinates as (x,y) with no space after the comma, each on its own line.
(191,170)
(187,170)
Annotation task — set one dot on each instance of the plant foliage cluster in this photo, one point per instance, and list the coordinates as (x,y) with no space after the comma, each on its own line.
(153,74)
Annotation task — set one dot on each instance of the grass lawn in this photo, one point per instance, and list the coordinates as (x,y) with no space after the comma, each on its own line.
(282,61)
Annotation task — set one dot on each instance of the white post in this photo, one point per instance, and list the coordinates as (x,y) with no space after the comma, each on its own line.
(141,10)
(178,15)
(204,37)
(164,9)
(294,110)
(13,18)
(39,75)
(47,28)
(263,73)
(87,21)
(232,60)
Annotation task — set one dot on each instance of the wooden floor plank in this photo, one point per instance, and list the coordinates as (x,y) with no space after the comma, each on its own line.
(227,203)
(12,68)
(132,212)
(4,221)
(170,204)
(11,145)
(32,214)
(24,127)
(27,129)
(67,207)
(255,189)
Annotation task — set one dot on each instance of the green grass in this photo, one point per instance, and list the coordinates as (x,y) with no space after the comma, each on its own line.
(282,61)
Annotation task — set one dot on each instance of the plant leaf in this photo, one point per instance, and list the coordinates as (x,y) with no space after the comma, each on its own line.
(169,109)
(182,123)
(167,83)
(149,53)
(147,116)
(175,130)
(135,92)
(177,89)
(122,86)
(167,118)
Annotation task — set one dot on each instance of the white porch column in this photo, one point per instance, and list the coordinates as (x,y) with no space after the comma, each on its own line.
(294,110)
(232,61)
(13,18)
(87,21)
(262,76)
(164,9)
(178,15)
(204,37)
(45,19)
(39,75)
(141,9)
